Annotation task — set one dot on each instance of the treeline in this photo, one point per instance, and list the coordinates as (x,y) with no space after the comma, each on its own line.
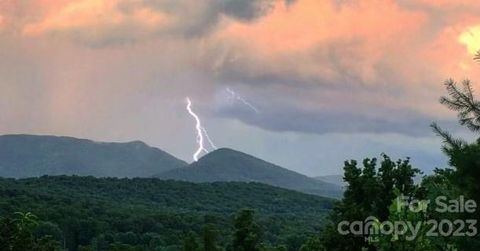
(26,232)
(152,214)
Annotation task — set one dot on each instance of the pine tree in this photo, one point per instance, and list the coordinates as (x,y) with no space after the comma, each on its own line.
(461,99)
(464,156)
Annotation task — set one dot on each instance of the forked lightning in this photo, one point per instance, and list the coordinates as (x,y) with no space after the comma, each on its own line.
(235,96)
(201,132)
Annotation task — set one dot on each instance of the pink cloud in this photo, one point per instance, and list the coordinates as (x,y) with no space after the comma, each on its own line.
(309,31)
(380,55)
(355,44)
(447,4)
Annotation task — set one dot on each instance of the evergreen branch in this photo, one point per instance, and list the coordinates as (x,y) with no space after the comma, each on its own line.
(462,101)
(451,142)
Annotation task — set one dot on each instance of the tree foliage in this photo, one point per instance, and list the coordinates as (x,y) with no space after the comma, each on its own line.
(247,232)
(99,213)
(461,99)
(370,192)
(17,233)
(464,156)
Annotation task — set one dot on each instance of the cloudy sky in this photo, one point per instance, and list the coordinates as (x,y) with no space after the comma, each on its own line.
(332,79)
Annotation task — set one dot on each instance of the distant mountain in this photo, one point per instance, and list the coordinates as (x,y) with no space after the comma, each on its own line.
(333,179)
(30,156)
(229,165)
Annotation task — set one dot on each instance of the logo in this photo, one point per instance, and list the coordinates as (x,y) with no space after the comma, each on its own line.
(410,220)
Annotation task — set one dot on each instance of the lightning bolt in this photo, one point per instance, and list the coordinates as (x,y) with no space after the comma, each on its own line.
(208,138)
(201,132)
(235,96)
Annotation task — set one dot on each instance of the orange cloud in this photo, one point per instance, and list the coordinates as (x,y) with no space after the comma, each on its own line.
(2,22)
(307,37)
(307,23)
(379,55)
(450,3)
(79,14)
(111,20)
(95,21)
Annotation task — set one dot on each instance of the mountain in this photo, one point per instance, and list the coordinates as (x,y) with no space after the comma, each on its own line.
(333,179)
(143,212)
(31,156)
(229,165)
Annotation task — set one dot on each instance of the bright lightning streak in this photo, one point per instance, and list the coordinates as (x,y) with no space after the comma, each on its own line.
(239,98)
(199,129)
(208,138)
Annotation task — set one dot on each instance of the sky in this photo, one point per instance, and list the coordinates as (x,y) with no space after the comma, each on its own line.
(330,80)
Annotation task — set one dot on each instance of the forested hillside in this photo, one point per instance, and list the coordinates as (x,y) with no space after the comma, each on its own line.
(31,155)
(230,165)
(153,214)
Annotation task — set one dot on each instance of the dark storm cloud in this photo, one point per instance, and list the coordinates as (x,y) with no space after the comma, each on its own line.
(246,9)
(338,56)
(363,65)
(205,15)
(138,21)
(355,120)
(207,20)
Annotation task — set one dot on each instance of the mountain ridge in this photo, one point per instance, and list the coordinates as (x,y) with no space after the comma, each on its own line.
(336,179)
(23,155)
(227,164)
